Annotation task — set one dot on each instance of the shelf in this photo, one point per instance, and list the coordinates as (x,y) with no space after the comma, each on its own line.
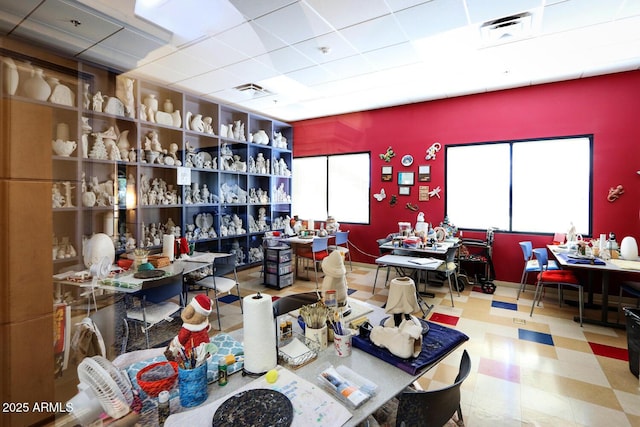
(126,147)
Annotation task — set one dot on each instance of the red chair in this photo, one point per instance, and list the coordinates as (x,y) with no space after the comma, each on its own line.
(561,278)
(317,251)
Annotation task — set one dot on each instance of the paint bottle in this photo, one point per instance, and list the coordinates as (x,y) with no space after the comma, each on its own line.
(222,372)
(163,407)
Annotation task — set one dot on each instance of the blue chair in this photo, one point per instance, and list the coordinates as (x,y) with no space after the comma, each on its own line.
(342,245)
(531,265)
(318,250)
(560,278)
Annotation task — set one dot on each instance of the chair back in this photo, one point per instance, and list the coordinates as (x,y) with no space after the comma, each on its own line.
(433,407)
(292,302)
(342,237)
(163,289)
(223,265)
(542,257)
(527,250)
(450,255)
(319,244)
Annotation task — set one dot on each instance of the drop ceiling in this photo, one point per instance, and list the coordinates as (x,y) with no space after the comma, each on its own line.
(314,58)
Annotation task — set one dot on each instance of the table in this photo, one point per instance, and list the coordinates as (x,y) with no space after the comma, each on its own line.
(605,269)
(390,379)
(439,249)
(295,242)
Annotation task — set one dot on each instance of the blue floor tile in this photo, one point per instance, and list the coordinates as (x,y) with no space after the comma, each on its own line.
(533,336)
(228,299)
(505,305)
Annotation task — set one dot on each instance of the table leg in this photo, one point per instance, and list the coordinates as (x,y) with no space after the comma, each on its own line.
(604,309)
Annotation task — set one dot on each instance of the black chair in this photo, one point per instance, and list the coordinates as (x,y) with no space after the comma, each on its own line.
(292,302)
(154,303)
(433,407)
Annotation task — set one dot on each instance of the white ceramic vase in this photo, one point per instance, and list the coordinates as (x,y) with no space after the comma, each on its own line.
(629,248)
(151,103)
(168,106)
(36,86)
(11,76)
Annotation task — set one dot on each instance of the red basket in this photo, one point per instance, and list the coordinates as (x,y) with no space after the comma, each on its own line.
(153,388)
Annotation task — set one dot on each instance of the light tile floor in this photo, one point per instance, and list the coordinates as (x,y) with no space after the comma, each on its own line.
(543,370)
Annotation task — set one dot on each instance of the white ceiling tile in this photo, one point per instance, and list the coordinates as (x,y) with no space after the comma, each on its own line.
(56,15)
(188,19)
(396,5)
(285,60)
(338,48)
(252,9)
(251,71)
(349,67)
(312,76)
(294,23)
(340,13)
(132,42)
(214,52)
(577,13)
(392,56)
(374,34)
(211,82)
(433,17)
(184,63)
(157,72)
(250,39)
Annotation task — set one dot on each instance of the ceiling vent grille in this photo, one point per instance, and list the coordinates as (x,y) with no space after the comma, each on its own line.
(252,89)
(507,29)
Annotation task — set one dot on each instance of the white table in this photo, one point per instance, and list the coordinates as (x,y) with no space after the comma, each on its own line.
(390,380)
(605,269)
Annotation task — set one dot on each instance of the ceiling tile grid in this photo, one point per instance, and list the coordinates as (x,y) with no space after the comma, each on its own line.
(324,57)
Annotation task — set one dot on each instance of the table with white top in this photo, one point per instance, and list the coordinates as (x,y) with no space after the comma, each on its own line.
(606,269)
(389,379)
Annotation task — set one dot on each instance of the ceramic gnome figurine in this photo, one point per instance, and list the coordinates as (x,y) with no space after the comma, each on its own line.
(195,325)
(402,332)
(335,276)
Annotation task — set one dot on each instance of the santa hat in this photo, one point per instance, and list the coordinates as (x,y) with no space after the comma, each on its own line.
(202,304)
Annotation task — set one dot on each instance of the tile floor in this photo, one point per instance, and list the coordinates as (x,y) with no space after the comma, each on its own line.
(543,370)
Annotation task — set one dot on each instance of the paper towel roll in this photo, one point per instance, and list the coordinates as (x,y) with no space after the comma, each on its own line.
(168,245)
(259,330)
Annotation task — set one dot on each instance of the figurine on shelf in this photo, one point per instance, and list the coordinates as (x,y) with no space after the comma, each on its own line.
(98,100)
(57,198)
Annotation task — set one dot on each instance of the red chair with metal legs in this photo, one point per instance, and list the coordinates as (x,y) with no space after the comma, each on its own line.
(531,265)
(317,251)
(560,278)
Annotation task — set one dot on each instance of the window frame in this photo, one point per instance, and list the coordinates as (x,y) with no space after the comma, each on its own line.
(533,197)
(329,176)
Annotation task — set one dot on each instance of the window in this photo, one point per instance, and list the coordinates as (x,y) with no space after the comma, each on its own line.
(336,185)
(534,186)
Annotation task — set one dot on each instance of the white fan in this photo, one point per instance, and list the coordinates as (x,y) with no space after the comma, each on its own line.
(102,388)
(98,271)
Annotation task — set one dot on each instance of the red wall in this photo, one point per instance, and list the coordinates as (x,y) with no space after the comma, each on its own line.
(606,106)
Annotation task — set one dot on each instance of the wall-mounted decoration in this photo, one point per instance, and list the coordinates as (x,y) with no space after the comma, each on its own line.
(404,191)
(614,193)
(381,195)
(435,192)
(407,160)
(413,208)
(424,173)
(393,200)
(431,151)
(405,178)
(388,155)
(387,173)
(423,193)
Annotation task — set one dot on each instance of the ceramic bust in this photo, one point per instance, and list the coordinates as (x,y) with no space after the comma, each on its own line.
(332,225)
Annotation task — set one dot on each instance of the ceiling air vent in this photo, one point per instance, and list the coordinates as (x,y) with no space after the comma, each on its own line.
(506,29)
(252,89)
